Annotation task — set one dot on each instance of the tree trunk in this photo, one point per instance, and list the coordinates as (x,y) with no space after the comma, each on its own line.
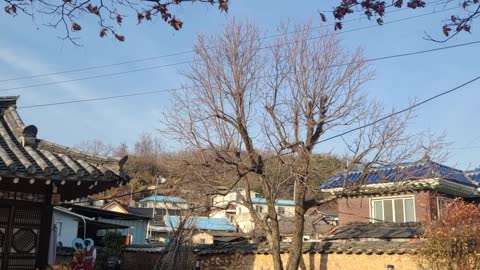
(296,246)
(275,246)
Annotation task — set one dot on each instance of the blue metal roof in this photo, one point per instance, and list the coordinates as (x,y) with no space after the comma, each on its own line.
(277,202)
(411,171)
(161,198)
(203,223)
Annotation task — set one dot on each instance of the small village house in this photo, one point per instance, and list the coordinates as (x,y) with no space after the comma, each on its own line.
(70,225)
(414,192)
(36,175)
(230,206)
(165,206)
(164,202)
(206,229)
(132,227)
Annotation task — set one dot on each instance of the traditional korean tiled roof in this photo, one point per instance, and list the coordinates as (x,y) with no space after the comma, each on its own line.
(474,175)
(384,231)
(424,169)
(24,157)
(354,247)
(148,248)
(160,198)
(202,223)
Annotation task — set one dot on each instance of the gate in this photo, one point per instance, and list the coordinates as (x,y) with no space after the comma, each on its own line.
(20,226)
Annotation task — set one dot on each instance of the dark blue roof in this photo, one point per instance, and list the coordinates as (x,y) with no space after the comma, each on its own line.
(411,171)
(203,223)
(474,175)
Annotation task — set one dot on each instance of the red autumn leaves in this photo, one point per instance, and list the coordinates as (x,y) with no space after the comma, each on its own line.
(377,8)
(11,9)
(108,13)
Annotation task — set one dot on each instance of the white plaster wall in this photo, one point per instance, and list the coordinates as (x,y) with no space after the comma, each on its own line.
(67,227)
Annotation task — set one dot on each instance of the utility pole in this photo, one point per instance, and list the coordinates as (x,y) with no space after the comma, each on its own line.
(162,180)
(131,195)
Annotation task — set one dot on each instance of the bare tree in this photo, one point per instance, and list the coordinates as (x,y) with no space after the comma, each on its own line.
(255,112)
(96,148)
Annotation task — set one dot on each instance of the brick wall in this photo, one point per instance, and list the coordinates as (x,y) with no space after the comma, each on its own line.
(357,208)
(353,209)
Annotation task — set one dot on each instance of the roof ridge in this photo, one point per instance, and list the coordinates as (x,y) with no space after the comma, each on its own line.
(47,145)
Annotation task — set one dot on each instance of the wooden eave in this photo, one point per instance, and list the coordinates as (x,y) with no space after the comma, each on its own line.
(24,157)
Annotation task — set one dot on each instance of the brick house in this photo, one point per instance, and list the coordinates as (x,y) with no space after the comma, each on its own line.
(413,192)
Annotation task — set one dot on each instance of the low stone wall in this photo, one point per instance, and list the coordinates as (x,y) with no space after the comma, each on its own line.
(316,261)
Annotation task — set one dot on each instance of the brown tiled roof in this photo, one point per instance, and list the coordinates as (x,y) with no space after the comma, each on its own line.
(25,157)
(353,247)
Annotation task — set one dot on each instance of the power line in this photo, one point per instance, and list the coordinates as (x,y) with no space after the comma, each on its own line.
(412,53)
(95,67)
(173,54)
(402,111)
(101,98)
(176,89)
(93,77)
(186,62)
(114,197)
(464,148)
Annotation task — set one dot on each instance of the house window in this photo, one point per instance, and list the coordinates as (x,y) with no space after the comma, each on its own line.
(442,203)
(59,226)
(281,210)
(202,240)
(259,208)
(398,209)
(174,204)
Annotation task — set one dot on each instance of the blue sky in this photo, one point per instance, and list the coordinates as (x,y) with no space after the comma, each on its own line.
(31,49)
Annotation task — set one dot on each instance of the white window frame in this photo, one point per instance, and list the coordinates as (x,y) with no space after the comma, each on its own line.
(445,200)
(382,199)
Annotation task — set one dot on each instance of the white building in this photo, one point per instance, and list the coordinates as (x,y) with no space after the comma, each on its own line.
(239,215)
(67,225)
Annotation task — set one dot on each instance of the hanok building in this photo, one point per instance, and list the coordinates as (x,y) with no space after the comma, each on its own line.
(414,192)
(35,175)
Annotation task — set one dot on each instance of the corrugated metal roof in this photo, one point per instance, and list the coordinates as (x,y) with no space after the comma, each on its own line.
(277,202)
(404,172)
(160,198)
(202,223)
